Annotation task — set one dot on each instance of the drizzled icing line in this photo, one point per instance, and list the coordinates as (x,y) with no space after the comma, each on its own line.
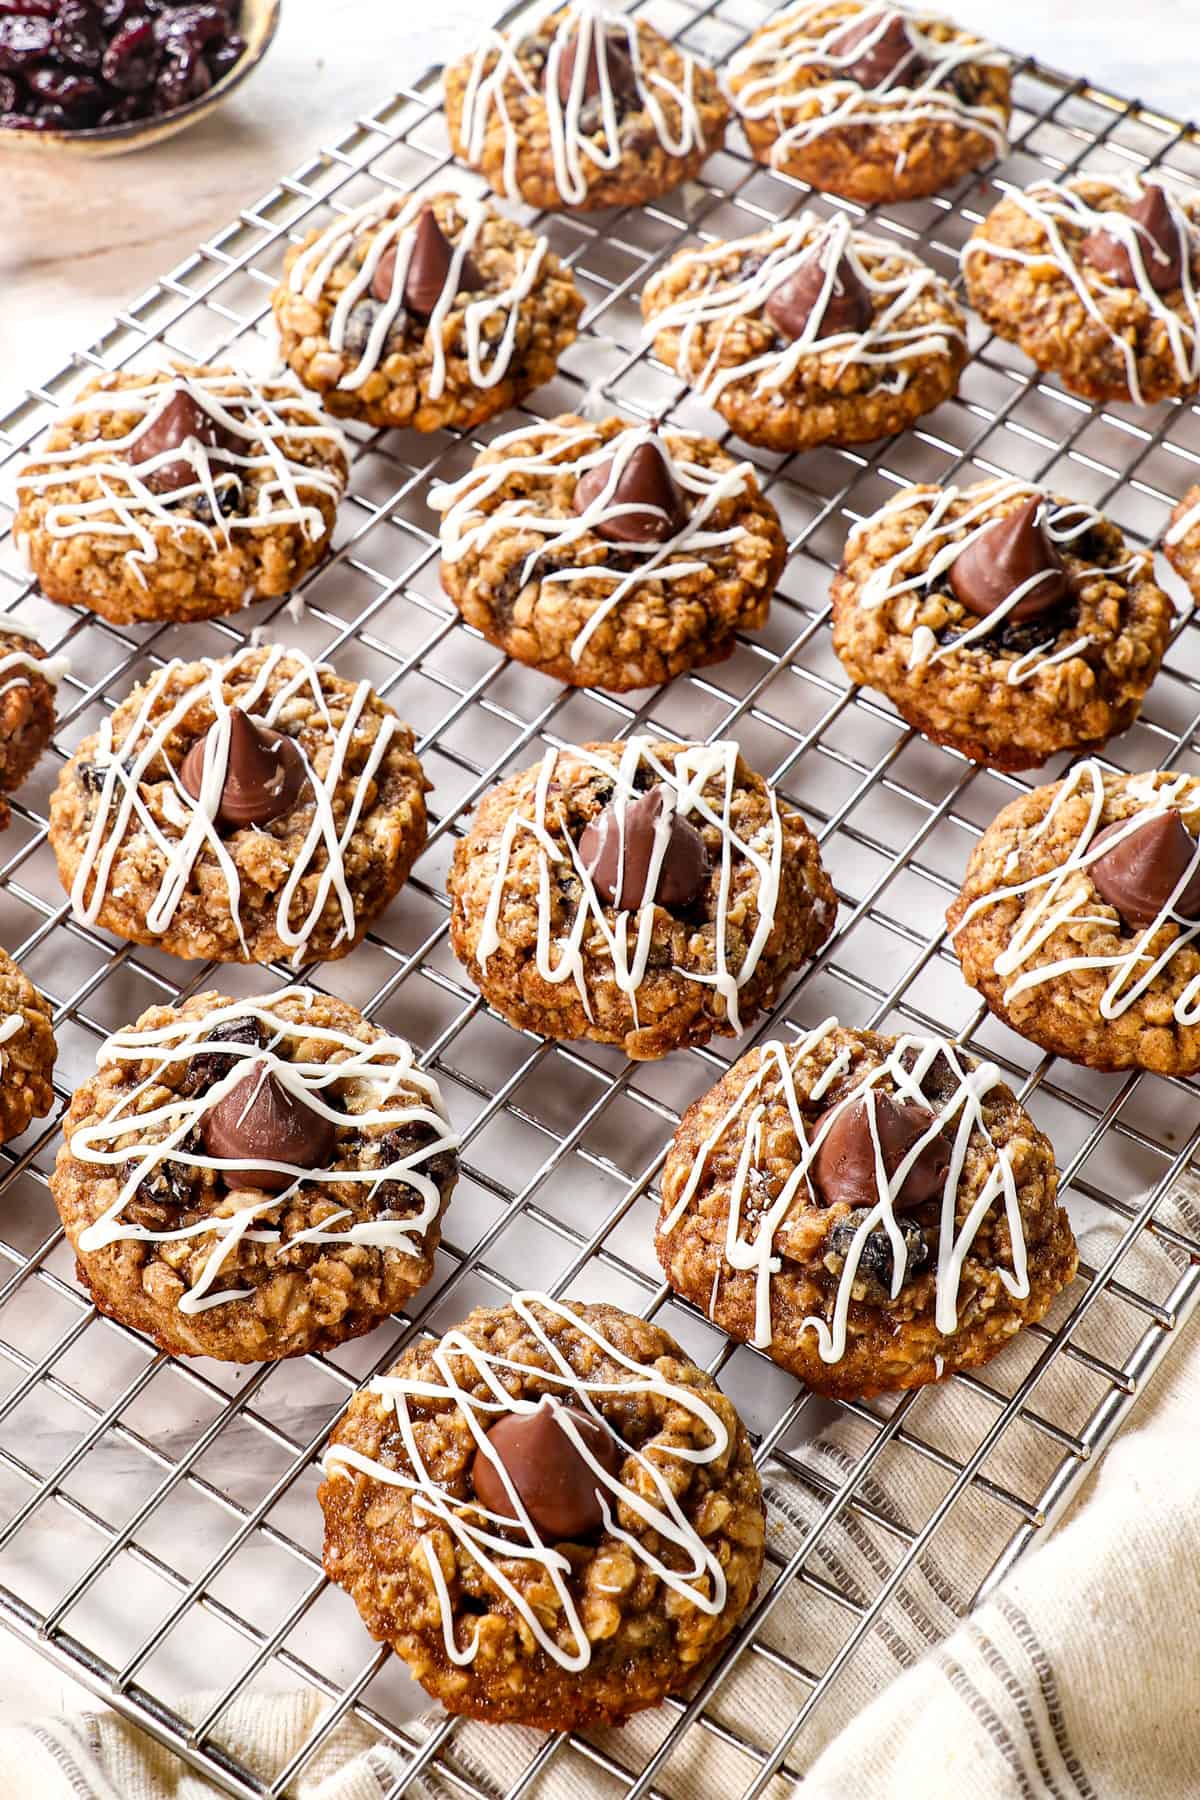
(773,59)
(961,1114)
(1186,521)
(126,508)
(722,302)
(400,1095)
(1064,525)
(140,755)
(467,528)
(50,668)
(10,1025)
(1054,205)
(571,147)
(488,356)
(477,1532)
(695,765)
(1066,897)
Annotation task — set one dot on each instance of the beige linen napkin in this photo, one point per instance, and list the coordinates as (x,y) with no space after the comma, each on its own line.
(1078,1680)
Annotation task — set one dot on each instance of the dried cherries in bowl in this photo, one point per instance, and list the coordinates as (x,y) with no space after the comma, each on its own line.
(75,65)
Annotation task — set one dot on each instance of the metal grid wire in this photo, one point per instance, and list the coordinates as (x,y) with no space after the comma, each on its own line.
(159,1535)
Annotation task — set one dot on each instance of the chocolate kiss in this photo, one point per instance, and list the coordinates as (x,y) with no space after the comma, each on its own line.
(428,267)
(1003,556)
(621,77)
(182,418)
(843,1168)
(648,482)
(683,870)
(260,1118)
(1139,876)
(558,1490)
(891,53)
(848,307)
(264,775)
(384,276)
(1162,255)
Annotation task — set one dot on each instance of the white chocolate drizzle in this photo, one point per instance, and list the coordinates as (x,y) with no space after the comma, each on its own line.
(16,666)
(750,1240)
(488,353)
(564,958)
(397,1096)
(1186,522)
(261,423)
(487,95)
(10,1025)
(775,56)
(1053,206)
(476,1532)
(721,301)
(1066,897)
(574,449)
(945,520)
(139,756)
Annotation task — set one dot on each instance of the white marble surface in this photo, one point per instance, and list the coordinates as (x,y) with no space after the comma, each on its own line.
(77,240)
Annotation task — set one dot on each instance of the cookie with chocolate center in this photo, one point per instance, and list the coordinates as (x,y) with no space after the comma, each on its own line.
(609,555)
(586,108)
(1086,276)
(1078,919)
(185,494)
(558,1497)
(254,1179)
(871,1212)
(285,810)
(1005,622)
(667,882)
(425,312)
(871,100)
(812,332)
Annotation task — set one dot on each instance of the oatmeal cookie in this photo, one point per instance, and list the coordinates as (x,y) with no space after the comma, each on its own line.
(1087,276)
(584,109)
(870,100)
(28,679)
(248,809)
(872,1212)
(1181,542)
(610,555)
(423,313)
(644,894)
(550,1513)
(27,1051)
(185,494)
(254,1179)
(1078,919)
(809,333)
(1002,621)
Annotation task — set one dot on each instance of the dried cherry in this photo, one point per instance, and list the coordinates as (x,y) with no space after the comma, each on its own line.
(62,87)
(131,60)
(71,64)
(78,38)
(24,40)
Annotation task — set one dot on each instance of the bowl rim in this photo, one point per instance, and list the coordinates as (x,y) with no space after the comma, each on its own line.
(133,128)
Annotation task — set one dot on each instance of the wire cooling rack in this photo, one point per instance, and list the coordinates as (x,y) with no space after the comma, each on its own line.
(159,1536)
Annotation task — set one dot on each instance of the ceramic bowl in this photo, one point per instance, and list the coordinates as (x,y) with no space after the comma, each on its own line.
(260,20)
